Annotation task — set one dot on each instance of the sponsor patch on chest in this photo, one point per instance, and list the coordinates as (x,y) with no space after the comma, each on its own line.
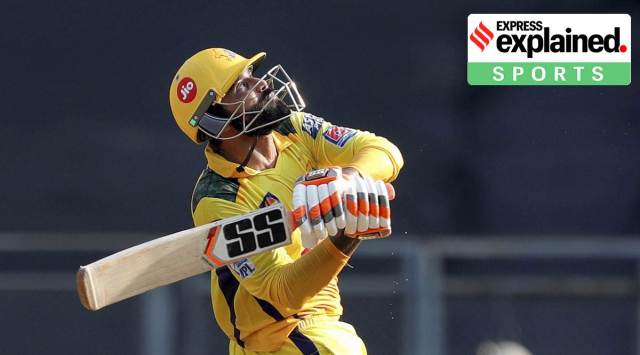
(268,200)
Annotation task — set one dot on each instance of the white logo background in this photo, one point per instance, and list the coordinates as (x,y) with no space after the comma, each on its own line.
(588,24)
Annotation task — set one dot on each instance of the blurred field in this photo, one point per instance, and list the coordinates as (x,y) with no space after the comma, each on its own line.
(444,296)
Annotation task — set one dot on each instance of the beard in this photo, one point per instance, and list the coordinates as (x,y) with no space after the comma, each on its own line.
(271,117)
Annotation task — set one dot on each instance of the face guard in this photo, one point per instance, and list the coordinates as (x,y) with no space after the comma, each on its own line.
(283,88)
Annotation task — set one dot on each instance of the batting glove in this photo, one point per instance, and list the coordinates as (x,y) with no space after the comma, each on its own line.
(325,202)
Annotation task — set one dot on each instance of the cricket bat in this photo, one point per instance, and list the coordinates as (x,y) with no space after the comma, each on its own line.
(184,254)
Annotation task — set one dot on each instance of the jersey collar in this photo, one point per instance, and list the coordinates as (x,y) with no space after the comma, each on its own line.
(226,168)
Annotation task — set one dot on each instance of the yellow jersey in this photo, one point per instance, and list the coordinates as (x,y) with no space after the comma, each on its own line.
(259,301)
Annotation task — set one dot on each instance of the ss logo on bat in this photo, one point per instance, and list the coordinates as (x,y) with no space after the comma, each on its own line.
(258,232)
(239,237)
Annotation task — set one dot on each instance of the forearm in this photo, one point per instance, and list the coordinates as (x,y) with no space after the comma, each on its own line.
(295,283)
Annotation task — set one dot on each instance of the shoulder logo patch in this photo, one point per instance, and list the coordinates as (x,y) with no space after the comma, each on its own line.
(244,268)
(339,135)
(311,124)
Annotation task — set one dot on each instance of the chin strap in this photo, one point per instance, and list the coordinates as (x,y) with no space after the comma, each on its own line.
(244,163)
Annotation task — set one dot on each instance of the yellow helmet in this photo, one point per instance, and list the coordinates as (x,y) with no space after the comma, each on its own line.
(202,80)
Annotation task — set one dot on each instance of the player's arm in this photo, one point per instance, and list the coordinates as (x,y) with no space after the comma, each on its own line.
(332,145)
(367,160)
(275,276)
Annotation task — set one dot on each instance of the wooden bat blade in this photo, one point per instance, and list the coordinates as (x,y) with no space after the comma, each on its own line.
(85,289)
(181,255)
(138,269)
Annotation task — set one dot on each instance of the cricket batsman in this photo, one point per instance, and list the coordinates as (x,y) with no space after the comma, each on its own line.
(261,148)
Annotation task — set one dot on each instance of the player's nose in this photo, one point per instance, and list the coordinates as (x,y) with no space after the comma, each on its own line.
(260,85)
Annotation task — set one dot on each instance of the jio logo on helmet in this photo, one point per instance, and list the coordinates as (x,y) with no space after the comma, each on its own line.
(187,90)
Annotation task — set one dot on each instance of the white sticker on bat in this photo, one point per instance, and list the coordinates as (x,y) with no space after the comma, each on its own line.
(234,239)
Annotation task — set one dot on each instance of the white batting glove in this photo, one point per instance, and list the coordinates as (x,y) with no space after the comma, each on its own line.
(368,212)
(326,202)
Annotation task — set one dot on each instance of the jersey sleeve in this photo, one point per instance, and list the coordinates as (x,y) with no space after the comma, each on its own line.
(273,275)
(333,145)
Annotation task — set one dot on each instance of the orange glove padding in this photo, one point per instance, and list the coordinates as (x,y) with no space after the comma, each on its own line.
(325,202)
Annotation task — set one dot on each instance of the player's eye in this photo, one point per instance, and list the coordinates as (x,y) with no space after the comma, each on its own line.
(241,85)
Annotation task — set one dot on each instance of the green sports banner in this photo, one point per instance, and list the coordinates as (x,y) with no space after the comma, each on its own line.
(549,49)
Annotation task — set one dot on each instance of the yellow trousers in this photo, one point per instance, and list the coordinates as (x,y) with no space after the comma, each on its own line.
(317,335)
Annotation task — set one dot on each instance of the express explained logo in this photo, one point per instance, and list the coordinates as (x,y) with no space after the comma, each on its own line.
(542,39)
(549,49)
(481,36)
